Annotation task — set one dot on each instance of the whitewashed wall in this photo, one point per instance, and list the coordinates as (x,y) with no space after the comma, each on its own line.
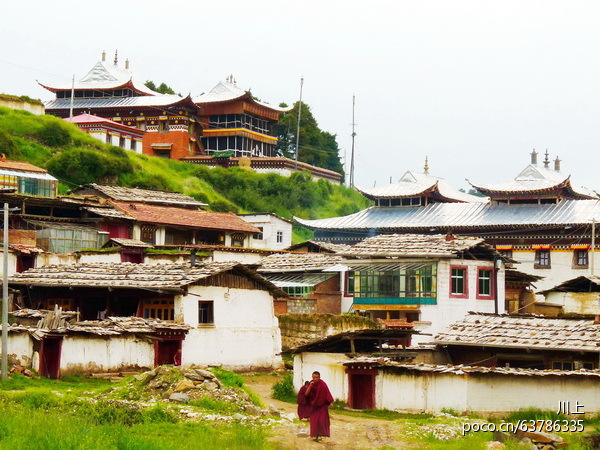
(576,302)
(329,365)
(448,310)
(484,393)
(86,258)
(245,334)
(415,392)
(244,258)
(20,347)
(561,267)
(270,225)
(85,353)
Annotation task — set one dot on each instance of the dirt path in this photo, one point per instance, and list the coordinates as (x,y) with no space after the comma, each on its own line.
(347,432)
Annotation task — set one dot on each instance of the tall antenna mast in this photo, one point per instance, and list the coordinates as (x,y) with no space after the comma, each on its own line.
(298,129)
(352,152)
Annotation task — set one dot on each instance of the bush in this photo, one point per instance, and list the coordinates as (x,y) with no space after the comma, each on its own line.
(54,135)
(8,146)
(284,389)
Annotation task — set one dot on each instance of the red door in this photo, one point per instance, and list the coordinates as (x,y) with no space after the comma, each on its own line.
(50,357)
(165,351)
(362,391)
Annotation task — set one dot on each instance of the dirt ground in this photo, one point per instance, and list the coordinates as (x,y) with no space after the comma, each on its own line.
(346,432)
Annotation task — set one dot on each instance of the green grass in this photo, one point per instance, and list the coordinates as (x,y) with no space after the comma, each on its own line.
(75,158)
(534,414)
(228,378)
(214,405)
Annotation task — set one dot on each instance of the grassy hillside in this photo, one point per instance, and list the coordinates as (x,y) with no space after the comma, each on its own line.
(75,158)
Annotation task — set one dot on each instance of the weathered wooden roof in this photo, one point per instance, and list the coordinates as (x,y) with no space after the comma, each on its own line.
(525,332)
(325,247)
(583,283)
(366,341)
(386,363)
(416,245)
(298,262)
(127,194)
(160,277)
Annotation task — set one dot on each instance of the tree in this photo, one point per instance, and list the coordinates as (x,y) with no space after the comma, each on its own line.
(162,87)
(317,147)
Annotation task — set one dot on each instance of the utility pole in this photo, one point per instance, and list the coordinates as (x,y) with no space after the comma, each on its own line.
(72,97)
(352,152)
(593,247)
(298,128)
(4,367)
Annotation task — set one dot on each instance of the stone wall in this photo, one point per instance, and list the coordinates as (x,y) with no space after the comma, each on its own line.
(300,329)
(14,102)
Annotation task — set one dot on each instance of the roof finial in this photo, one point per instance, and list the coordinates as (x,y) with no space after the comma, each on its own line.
(127,64)
(534,157)
(426,166)
(546,160)
(103,55)
(557,164)
(116,58)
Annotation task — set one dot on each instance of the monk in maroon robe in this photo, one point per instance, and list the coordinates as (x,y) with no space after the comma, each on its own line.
(303,407)
(319,399)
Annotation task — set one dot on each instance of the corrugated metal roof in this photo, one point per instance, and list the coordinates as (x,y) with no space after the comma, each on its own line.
(23,174)
(298,279)
(462,215)
(114,102)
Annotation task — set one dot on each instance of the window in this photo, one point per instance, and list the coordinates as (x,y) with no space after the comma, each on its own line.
(485,282)
(159,308)
(580,259)
(237,239)
(259,236)
(148,234)
(298,291)
(458,282)
(279,237)
(506,253)
(206,312)
(400,283)
(562,365)
(542,259)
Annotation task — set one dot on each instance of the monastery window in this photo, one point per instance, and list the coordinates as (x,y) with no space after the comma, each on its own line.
(280,237)
(163,126)
(159,308)
(259,236)
(580,259)
(148,234)
(237,239)
(458,282)
(206,313)
(542,259)
(485,283)
(506,253)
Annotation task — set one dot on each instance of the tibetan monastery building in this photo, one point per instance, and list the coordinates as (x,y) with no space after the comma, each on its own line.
(234,121)
(112,92)
(540,219)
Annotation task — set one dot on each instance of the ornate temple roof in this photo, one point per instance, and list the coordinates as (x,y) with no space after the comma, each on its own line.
(536,180)
(457,216)
(414,184)
(105,75)
(226,91)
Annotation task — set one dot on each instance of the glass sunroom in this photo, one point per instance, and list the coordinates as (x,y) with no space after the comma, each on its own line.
(31,183)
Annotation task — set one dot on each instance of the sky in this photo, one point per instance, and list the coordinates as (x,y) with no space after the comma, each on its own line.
(473,85)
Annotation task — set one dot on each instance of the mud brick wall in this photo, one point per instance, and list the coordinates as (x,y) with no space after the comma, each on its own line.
(300,329)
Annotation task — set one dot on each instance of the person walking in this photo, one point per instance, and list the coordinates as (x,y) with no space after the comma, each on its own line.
(303,406)
(319,401)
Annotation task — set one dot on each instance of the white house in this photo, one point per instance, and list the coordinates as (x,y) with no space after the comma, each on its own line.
(210,311)
(275,232)
(428,280)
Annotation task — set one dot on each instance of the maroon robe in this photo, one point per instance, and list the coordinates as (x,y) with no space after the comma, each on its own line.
(319,399)
(303,407)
